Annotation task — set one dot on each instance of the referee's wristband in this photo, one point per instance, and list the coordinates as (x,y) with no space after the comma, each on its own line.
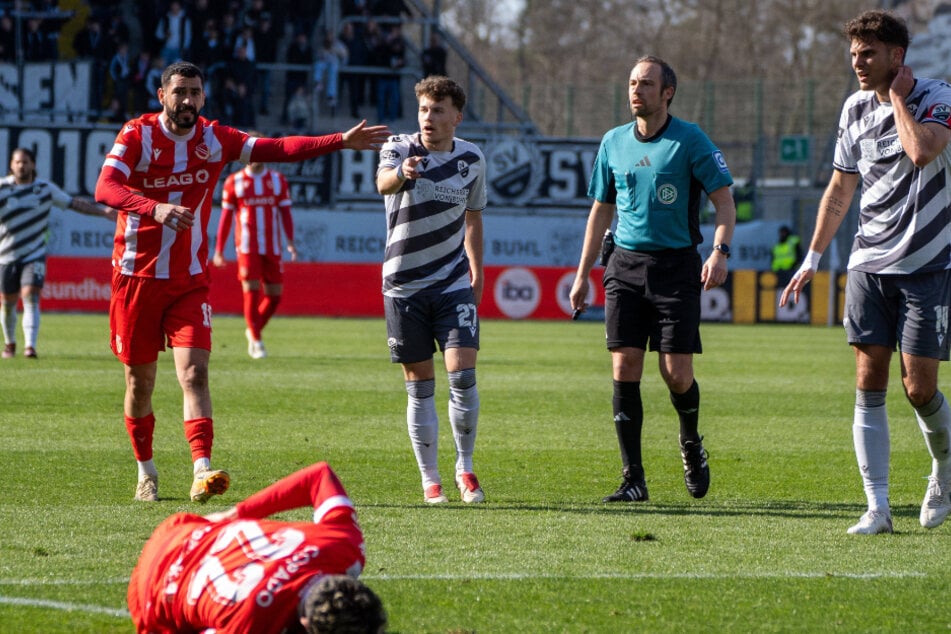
(811,261)
(399,172)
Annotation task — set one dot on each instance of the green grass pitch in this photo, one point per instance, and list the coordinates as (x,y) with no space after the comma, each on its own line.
(765,551)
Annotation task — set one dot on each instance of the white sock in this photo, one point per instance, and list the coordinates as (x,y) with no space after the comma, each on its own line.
(934,419)
(202,464)
(464,416)
(8,321)
(422,422)
(147,468)
(31,320)
(872,446)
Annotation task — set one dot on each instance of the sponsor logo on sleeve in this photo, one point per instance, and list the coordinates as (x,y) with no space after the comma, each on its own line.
(391,155)
(721,162)
(941,112)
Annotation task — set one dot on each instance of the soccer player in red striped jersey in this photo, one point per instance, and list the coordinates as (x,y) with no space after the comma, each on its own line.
(236,571)
(258,198)
(160,174)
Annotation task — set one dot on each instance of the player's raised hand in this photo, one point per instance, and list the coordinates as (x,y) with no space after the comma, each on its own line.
(364,137)
(409,167)
(903,83)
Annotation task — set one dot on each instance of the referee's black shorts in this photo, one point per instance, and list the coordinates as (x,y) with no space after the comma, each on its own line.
(653,298)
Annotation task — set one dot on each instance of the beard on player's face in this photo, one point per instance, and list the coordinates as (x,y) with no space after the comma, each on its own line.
(174,113)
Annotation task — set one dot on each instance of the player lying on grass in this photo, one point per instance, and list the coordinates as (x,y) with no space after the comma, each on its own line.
(236,571)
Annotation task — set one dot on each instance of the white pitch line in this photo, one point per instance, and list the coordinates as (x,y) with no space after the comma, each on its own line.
(68,607)
(61,582)
(122,613)
(507,576)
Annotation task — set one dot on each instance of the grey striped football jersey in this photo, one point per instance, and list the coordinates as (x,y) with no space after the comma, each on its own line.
(24,218)
(905,219)
(425,234)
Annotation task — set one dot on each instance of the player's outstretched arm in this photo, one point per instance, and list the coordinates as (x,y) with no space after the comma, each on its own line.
(299,148)
(364,137)
(313,486)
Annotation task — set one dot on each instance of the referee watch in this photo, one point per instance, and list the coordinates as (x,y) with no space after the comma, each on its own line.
(722,248)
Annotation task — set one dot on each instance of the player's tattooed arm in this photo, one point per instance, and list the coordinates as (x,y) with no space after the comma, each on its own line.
(836,206)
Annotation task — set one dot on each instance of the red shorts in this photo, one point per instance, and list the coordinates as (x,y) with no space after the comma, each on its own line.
(267,268)
(146,314)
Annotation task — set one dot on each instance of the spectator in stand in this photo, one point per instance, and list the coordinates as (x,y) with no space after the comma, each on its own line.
(200,12)
(153,81)
(213,58)
(229,30)
(92,44)
(174,33)
(117,31)
(244,74)
(120,72)
(140,92)
(332,55)
(265,44)
(300,53)
(378,57)
(305,15)
(355,9)
(8,39)
(37,46)
(392,54)
(252,17)
(298,110)
(434,57)
(245,40)
(53,20)
(389,9)
(228,98)
(358,54)
(207,49)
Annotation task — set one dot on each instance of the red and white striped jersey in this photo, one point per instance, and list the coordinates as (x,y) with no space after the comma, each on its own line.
(263,206)
(161,167)
(247,574)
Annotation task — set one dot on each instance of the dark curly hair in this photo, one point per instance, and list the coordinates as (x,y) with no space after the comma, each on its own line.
(438,87)
(338,604)
(884,26)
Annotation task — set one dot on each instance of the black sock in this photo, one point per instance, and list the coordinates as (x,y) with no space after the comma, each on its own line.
(688,409)
(628,420)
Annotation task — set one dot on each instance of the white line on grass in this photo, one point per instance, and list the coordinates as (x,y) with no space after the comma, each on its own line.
(62,582)
(505,576)
(68,607)
(121,613)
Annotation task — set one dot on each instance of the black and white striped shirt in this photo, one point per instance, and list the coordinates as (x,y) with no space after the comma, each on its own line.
(24,218)
(426,219)
(905,219)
